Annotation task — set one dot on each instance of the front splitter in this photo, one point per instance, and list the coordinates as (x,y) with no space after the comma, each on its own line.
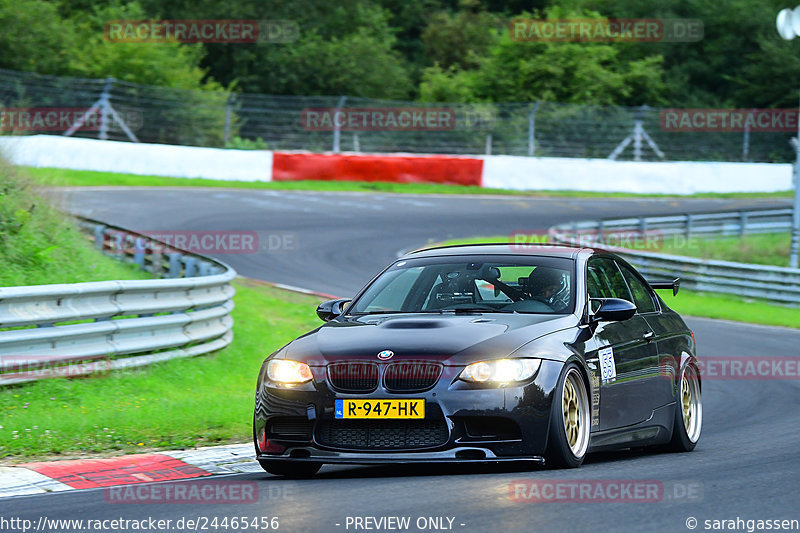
(457,455)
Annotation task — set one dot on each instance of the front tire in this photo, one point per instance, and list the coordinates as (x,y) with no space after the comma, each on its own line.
(570,421)
(290,468)
(688,411)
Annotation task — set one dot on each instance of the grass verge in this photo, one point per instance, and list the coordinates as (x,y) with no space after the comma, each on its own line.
(39,245)
(764,249)
(176,404)
(86,178)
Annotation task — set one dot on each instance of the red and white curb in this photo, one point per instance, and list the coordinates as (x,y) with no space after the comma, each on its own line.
(59,476)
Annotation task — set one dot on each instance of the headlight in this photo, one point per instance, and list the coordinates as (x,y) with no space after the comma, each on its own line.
(285,371)
(500,371)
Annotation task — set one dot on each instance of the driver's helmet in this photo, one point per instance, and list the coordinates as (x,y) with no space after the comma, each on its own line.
(542,279)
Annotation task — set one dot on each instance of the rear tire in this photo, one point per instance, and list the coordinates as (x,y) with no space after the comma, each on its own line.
(688,412)
(570,420)
(290,468)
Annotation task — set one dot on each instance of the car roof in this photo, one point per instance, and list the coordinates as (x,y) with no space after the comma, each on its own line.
(505,248)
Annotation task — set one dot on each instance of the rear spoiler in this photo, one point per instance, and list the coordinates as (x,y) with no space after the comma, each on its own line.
(675,284)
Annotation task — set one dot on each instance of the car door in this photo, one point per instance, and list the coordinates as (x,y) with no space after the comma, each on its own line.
(668,338)
(624,347)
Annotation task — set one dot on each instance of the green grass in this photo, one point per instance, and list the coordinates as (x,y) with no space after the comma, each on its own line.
(74,178)
(730,307)
(205,400)
(763,249)
(700,304)
(39,245)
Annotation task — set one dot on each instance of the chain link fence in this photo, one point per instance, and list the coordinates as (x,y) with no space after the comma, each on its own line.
(118,110)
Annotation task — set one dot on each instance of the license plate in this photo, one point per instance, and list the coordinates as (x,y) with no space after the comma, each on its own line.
(380,408)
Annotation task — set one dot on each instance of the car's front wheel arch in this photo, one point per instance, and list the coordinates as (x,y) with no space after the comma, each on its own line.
(569,432)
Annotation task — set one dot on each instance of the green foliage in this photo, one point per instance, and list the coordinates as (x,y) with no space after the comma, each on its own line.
(237,143)
(431,50)
(460,39)
(165,64)
(39,245)
(33,31)
(516,71)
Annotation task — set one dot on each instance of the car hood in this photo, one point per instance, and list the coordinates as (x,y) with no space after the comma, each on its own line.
(456,339)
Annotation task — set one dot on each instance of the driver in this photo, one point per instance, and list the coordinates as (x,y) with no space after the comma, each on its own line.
(544,283)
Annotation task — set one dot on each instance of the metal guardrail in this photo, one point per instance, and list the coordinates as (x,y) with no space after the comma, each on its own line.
(122,324)
(777,284)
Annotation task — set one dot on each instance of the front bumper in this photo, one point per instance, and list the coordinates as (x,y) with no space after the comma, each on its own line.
(522,411)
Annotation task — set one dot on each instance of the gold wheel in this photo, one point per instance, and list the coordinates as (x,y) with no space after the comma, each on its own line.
(691,404)
(575,410)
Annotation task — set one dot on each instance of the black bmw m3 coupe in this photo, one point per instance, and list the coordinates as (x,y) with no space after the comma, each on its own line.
(483,353)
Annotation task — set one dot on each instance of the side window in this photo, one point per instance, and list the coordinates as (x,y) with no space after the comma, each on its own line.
(642,294)
(604,280)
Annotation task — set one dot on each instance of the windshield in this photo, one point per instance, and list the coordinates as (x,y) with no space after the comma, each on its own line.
(541,285)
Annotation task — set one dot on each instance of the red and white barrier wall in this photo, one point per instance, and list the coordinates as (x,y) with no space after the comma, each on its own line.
(506,172)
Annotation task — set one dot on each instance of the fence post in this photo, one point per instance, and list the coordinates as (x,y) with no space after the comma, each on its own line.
(746,140)
(336,132)
(228,119)
(105,108)
(795,246)
(489,144)
(637,136)
(532,129)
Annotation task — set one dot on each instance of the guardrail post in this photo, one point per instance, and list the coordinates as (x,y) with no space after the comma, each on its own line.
(119,243)
(156,263)
(689,220)
(742,223)
(175,264)
(99,236)
(139,252)
(191,267)
(204,268)
(600,231)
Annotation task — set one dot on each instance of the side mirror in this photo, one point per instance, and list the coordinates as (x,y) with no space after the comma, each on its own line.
(613,309)
(332,308)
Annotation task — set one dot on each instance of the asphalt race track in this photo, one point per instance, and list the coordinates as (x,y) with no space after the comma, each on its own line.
(747,464)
